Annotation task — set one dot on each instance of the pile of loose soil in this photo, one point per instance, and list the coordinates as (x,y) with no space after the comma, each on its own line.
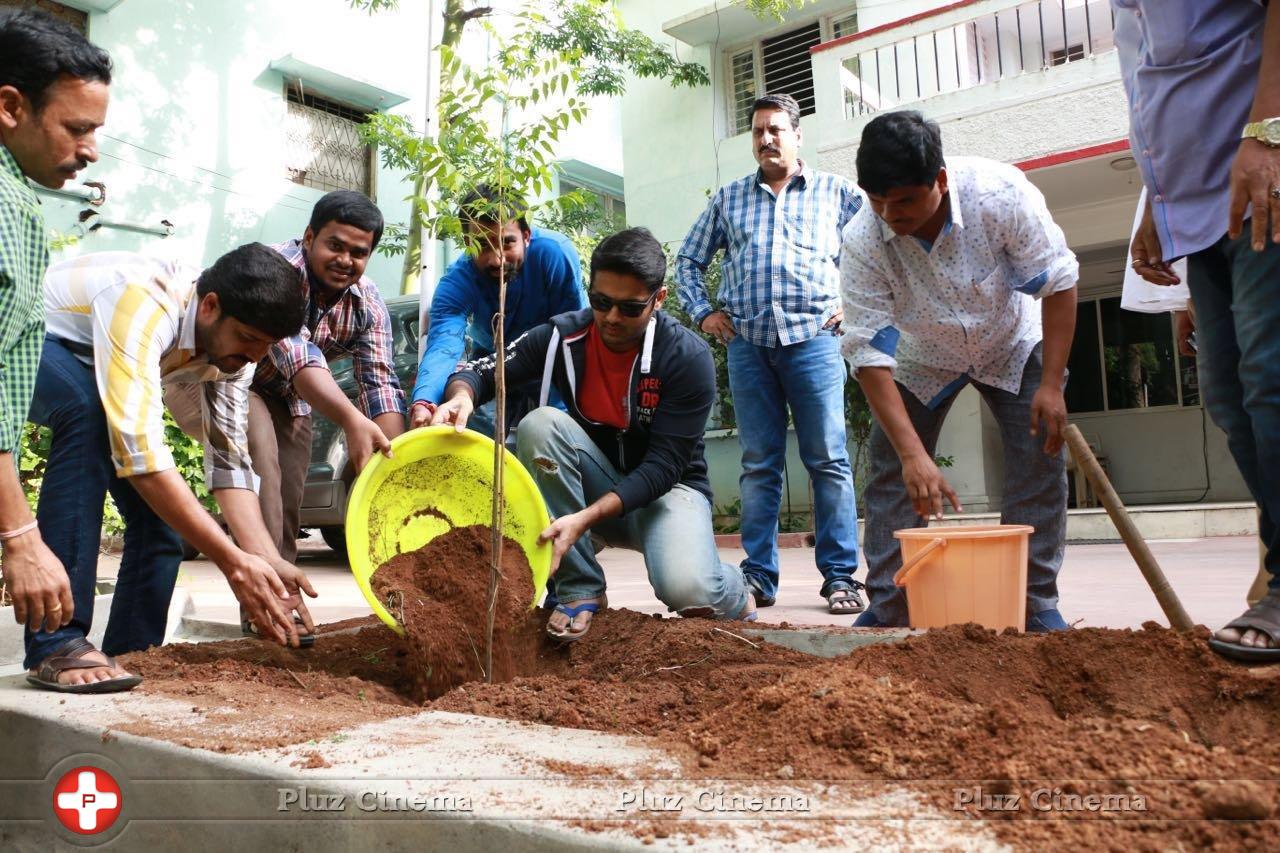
(1151,713)
(440,594)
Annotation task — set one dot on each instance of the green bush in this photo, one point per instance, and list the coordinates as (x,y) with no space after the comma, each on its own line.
(188,456)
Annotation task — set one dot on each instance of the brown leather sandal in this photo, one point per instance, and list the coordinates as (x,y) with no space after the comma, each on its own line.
(73,655)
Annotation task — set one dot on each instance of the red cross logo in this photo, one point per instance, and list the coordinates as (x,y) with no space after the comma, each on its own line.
(87,800)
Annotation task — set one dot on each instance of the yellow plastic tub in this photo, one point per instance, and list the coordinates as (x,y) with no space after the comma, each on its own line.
(436,479)
(954,575)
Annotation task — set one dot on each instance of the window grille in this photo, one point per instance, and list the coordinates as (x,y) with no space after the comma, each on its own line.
(324,147)
(742,83)
(1067,54)
(787,67)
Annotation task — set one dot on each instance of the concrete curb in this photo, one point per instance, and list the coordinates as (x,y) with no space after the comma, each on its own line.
(486,781)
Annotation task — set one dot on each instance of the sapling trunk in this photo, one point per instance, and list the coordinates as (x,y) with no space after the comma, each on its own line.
(499,450)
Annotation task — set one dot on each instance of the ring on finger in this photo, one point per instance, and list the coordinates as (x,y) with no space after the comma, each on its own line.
(1275,192)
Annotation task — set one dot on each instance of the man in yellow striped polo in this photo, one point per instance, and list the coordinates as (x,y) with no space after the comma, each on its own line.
(121,328)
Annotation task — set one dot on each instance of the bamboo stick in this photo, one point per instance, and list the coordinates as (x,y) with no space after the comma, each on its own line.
(1133,540)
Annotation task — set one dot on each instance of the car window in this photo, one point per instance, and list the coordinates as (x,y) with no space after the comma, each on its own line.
(404,322)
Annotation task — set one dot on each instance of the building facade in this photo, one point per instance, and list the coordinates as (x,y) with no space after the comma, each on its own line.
(229,120)
(1036,84)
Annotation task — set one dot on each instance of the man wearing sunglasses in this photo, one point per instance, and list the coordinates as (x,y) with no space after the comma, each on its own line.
(544,278)
(625,462)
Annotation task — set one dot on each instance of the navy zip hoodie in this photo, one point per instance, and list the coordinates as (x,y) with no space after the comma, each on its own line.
(673,386)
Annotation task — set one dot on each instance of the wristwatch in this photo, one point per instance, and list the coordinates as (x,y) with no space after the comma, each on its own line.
(1266,131)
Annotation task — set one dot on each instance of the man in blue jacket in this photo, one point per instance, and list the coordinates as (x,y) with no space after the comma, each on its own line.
(544,278)
(625,463)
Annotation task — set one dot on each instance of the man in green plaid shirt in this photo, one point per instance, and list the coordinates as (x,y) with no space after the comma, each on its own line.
(53,96)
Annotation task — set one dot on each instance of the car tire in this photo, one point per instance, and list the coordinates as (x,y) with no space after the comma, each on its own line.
(336,538)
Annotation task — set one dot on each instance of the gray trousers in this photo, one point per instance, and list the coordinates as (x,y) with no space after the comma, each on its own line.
(1035,493)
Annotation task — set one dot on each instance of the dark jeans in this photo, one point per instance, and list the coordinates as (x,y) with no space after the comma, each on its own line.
(76,481)
(1236,292)
(1035,493)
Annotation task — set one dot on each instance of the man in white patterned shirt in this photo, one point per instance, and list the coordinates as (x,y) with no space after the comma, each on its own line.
(961,277)
(121,328)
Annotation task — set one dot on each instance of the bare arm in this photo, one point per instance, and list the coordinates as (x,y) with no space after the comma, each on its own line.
(364,437)
(565,531)
(33,575)
(391,424)
(252,579)
(1048,408)
(1256,169)
(924,482)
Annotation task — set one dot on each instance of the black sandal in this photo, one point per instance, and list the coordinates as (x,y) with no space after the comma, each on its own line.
(248,629)
(1263,617)
(842,591)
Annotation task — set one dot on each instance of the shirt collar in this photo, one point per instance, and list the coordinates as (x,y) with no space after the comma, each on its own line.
(187,324)
(805,175)
(9,166)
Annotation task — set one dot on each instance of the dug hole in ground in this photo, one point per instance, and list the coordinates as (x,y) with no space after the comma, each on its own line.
(1090,737)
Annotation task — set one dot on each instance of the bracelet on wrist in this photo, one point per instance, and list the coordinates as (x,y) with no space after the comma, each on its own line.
(19,531)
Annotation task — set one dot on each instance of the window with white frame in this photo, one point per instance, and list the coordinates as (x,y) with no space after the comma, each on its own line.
(613,207)
(323,143)
(779,64)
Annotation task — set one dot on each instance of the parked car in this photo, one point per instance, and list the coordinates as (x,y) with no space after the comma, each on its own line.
(329,478)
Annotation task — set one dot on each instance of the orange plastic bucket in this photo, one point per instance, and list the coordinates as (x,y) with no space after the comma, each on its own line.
(954,575)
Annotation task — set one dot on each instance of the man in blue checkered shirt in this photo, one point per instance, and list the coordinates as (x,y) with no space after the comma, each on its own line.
(778,314)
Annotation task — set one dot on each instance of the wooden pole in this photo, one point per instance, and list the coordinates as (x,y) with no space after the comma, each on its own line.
(1133,540)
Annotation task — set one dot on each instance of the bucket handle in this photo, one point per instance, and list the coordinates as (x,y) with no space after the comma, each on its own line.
(918,560)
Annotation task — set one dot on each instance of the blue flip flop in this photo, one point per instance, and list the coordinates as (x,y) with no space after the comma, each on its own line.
(572,611)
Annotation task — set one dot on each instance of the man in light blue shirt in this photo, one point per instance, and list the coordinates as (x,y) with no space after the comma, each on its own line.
(779,315)
(1203,80)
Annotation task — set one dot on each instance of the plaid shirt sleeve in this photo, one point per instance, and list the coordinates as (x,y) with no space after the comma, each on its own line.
(705,238)
(24,255)
(374,360)
(224,412)
(290,355)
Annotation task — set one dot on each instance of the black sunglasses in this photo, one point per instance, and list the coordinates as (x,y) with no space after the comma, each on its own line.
(626,307)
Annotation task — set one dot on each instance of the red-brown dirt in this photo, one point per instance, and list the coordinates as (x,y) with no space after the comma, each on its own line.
(1150,717)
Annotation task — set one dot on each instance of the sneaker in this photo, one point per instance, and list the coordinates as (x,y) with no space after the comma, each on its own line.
(1046,621)
(867,619)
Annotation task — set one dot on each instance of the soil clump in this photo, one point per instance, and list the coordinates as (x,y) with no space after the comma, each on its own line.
(1180,740)
(440,594)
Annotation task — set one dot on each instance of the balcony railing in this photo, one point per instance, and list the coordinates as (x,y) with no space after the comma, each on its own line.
(887,68)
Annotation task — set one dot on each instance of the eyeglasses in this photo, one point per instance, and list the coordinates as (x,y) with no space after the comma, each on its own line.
(626,307)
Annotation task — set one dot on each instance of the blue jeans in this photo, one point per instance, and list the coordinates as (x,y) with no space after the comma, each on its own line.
(674,532)
(1236,292)
(809,377)
(1035,493)
(76,481)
